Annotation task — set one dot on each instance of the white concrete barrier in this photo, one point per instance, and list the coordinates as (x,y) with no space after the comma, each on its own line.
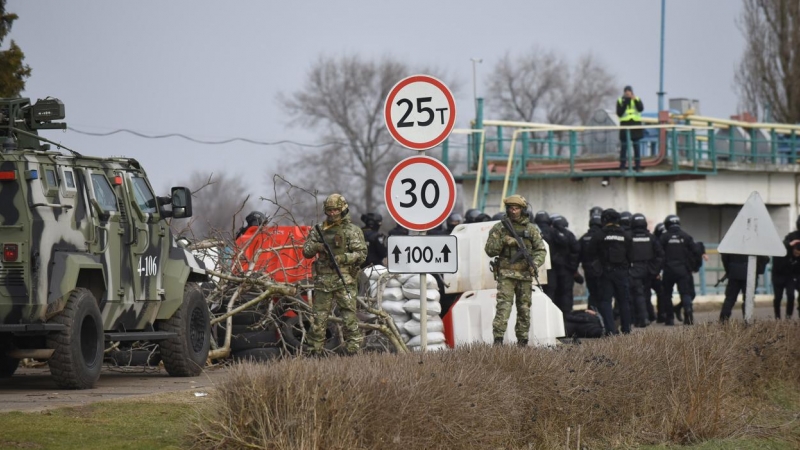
(469,320)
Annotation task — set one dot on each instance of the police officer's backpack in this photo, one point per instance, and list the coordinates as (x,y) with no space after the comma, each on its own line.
(583,324)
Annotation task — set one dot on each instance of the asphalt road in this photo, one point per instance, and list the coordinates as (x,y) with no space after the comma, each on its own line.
(32,389)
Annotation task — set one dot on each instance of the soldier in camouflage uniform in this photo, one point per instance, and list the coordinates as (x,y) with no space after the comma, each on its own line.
(514,278)
(347,242)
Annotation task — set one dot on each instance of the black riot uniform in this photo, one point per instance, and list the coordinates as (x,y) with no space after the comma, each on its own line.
(376,241)
(565,263)
(590,273)
(543,222)
(678,256)
(786,274)
(736,269)
(656,283)
(647,256)
(612,248)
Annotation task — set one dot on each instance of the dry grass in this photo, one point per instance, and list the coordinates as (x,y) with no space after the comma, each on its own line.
(692,385)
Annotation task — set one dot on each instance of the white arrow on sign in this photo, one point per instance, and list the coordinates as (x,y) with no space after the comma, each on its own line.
(420,193)
(752,232)
(420,112)
(423,254)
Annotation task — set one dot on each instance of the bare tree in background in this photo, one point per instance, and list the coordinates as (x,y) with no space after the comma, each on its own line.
(343,98)
(769,73)
(220,200)
(543,86)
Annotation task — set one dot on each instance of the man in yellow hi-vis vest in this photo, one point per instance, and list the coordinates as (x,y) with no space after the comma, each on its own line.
(629,110)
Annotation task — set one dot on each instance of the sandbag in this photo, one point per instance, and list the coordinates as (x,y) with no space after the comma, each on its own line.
(405,336)
(412,306)
(413,327)
(374,272)
(399,317)
(432,294)
(429,347)
(404,277)
(394,307)
(413,283)
(432,317)
(433,338)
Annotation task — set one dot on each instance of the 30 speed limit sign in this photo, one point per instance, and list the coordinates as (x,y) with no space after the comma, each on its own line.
(420,112)
(420,193)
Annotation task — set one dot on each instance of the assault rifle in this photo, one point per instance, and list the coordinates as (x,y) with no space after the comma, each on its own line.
(721,280)
(332,257)
(522,252)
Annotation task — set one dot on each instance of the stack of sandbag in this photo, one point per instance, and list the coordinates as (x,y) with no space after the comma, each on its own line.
(387,289)
(434,326)
(399,296)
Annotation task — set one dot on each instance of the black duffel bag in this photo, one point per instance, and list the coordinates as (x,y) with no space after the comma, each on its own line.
(583,324)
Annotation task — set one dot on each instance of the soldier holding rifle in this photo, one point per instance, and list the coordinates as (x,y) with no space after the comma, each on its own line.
(519,249)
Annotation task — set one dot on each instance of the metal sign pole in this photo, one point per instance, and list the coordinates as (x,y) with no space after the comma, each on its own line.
(423,304)
(750,290)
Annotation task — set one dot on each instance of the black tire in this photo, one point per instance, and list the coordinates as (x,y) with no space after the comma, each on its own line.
(185,354)
(257,354)
(255,339)
(292,334)
(247,318)
(77,350)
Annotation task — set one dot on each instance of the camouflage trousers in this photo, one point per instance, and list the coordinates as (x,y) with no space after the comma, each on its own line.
(322,308)
(507,288)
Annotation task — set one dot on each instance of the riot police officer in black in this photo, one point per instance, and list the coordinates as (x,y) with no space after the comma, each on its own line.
(376,241)
(590,272)
(736,269)
(565,263)
(612,247)
(647,257)
(678,256)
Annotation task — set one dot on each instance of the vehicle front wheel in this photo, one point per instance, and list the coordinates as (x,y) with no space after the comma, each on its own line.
(78,349)
(185,354)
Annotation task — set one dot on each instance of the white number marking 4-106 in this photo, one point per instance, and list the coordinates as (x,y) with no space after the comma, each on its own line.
(148,266)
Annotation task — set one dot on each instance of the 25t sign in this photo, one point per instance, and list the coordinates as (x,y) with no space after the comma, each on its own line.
(420,193)
(420,112)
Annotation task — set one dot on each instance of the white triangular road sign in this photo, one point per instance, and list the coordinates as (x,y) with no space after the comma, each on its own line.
(752,232)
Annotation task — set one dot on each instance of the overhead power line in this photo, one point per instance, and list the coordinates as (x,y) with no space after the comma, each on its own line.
(202,141)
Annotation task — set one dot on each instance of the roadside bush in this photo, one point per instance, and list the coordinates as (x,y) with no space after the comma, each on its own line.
(688,385)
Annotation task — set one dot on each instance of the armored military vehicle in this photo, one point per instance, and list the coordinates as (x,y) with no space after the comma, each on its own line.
(88,259)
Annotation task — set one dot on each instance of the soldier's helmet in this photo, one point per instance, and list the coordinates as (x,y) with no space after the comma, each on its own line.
(516,200)
(595,211)
(255,219)
(672,221)
(471,215)
(336,201)
(372,220)
(639,222)
(610,216)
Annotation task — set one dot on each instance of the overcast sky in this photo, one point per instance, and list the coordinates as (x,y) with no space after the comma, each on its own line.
(213,69)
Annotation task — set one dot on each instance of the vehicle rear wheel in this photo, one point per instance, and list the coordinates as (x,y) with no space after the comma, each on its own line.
(78,349)
(185,354)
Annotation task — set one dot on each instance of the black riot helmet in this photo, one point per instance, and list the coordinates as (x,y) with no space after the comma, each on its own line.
(499,216)
(595,221)
(483,218)
(255,219)
(541,218)
(639,222)
(672,221)
(610,216)
(595,211)
(659,229)
(471,215)
(372,221)
(559,221)
(625,218)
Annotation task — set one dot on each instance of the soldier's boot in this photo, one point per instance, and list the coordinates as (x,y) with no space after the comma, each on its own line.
(498,341)
(678,314)
(688,318)
(522,343)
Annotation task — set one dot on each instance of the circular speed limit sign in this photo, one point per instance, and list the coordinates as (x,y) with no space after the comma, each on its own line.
(420,193)
(420,112)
